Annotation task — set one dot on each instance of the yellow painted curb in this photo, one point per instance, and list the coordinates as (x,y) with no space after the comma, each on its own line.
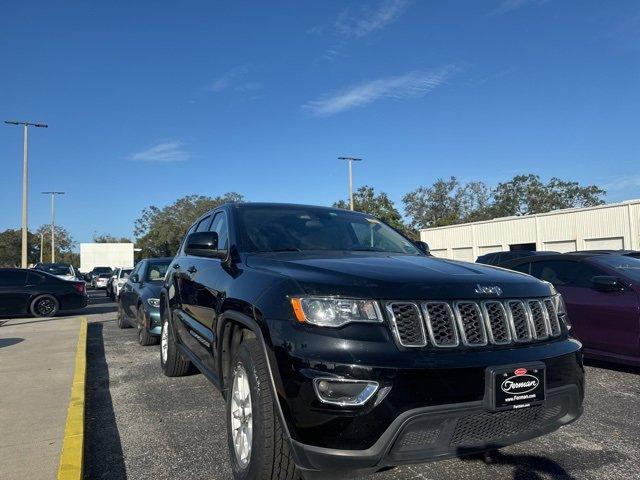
(72,456)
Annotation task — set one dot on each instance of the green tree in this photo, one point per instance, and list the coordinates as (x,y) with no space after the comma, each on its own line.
(11,248)
(159,231)
(107,238)
(527,195)
(379,205)
(64,243)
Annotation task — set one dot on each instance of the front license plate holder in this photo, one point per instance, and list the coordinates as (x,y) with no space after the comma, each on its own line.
(511,387)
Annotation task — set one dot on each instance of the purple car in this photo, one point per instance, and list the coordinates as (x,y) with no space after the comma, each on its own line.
(602,296)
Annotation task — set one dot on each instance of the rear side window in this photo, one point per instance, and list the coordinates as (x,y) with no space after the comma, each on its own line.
(565,273)
(13,278)
(523,267)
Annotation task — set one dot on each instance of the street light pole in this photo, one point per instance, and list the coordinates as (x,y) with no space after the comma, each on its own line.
(350,160)
(53,223)
(41,244)
(25,183)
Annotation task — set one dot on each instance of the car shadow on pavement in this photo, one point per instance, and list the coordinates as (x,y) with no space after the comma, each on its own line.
(7,342)
(618,367)
(103,449)
(535,467)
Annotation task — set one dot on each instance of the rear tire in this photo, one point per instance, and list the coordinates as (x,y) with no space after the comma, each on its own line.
(144,337)
(121,320)
(172,362)
(44,306)
(268,456)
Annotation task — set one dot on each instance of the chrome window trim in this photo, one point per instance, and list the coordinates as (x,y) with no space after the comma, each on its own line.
(463,334)
(489,327)
(454,327)
(394,325)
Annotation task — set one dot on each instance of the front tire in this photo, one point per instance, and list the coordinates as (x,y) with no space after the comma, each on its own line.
(144,337)
(257,445)
(172,362)
(121,320)
(44,306)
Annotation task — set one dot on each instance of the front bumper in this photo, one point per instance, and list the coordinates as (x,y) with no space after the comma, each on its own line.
(436,433)
(430,405)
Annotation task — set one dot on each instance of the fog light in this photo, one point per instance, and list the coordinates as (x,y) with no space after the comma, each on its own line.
(344,392)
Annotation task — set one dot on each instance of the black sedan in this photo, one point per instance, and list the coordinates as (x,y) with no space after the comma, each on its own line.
(139,303)
(38,293)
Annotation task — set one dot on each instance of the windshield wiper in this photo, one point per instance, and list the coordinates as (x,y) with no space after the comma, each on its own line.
(365,249)
(285,249)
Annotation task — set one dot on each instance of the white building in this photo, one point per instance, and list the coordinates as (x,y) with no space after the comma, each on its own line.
(105,255)
(612,226)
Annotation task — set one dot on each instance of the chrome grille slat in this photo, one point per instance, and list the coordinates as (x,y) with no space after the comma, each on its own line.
(552,314)
(539,319)
(520,324)
(440,322)
(407,324)
(497,322)
(473,323)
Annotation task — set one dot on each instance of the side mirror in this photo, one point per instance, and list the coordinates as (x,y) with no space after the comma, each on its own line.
(204,244)
(135,278)
(422,246)
(605,283)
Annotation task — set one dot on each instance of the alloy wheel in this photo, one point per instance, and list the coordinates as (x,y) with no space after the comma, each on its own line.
(241,419)
(45,306)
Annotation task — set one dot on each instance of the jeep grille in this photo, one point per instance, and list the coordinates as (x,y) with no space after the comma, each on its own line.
(471,323)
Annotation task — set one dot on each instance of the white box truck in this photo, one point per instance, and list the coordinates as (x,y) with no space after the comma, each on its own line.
(105,255)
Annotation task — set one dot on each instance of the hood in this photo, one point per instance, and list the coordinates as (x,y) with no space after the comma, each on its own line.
(396,276)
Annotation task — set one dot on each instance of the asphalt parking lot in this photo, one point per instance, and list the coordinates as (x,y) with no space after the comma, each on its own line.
(141,424)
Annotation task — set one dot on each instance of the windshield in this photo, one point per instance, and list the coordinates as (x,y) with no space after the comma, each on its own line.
(628,267)
(156,271)
(104,275)
(56,269)
(102,270)
(278,229)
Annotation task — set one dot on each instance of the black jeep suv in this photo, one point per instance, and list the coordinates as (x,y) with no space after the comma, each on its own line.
(340,346)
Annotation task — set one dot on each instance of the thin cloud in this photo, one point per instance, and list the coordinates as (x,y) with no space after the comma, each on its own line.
(166,152)
(410,85)
(368,20)
(511,5)
(626,182)
(229,79)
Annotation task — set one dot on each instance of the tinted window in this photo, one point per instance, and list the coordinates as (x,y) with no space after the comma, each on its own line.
(55,269)
(563,272)
(203,225)
(13,278)
(267,229)
(125,273)
(523,267)
(219,225)
(625,266)
(156,271)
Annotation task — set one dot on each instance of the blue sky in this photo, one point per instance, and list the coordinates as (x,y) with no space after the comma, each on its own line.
(150,101)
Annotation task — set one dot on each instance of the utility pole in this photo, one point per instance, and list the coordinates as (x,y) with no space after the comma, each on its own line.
(350,160)
(25,182)
(53,223)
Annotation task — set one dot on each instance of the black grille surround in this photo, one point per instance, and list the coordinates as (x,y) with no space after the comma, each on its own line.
(473,323)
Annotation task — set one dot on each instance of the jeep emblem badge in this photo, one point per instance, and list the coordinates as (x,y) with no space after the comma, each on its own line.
(488,289)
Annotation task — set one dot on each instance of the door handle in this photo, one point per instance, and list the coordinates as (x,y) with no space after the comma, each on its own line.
(192,269)
(176,266)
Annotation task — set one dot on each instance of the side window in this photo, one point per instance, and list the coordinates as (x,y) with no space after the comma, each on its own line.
(13,278)
(203,225)
(219,225)
(523,267)
(563,272)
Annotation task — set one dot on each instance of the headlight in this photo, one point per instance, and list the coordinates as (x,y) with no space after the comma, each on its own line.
(335,312)
(154,302)
(561,310)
